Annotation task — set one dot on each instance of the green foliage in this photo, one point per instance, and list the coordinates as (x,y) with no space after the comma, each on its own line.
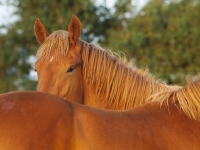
(163,36)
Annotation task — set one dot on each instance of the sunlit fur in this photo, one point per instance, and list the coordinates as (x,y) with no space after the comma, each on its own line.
(40,121)
(114,77)
(187,97)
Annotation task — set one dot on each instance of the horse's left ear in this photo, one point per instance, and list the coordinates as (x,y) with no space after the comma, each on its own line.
(74,30)
(40,31)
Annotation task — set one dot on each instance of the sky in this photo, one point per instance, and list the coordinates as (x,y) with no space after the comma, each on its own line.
(6,13)
(7,17)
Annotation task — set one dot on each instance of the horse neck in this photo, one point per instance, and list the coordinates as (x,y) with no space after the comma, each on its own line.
(111,84)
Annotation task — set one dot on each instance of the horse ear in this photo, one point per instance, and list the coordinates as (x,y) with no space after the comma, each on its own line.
(74,30)
(40,31)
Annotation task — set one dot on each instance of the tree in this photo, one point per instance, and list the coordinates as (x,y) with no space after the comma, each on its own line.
(164,36)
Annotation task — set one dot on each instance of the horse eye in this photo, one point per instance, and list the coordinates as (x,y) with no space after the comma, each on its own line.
(70,69)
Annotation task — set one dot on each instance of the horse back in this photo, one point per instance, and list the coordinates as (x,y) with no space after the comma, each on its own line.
(31,120)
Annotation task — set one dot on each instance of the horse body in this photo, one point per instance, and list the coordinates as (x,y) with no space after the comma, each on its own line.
(145,127)
(75,70)
(33,120)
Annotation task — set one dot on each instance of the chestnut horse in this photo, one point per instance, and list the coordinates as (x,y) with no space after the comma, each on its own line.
(73,69)
(34,120)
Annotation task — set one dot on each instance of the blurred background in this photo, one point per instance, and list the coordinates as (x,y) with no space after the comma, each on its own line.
(162,35)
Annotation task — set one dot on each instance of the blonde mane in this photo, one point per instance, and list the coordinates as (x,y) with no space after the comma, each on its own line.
(118,80)
(187,97)
(55,44)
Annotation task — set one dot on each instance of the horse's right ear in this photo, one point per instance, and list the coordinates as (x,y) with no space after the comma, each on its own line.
(74,30)
(40,31)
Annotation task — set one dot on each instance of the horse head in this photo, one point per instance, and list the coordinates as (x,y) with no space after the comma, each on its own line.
(59,73)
